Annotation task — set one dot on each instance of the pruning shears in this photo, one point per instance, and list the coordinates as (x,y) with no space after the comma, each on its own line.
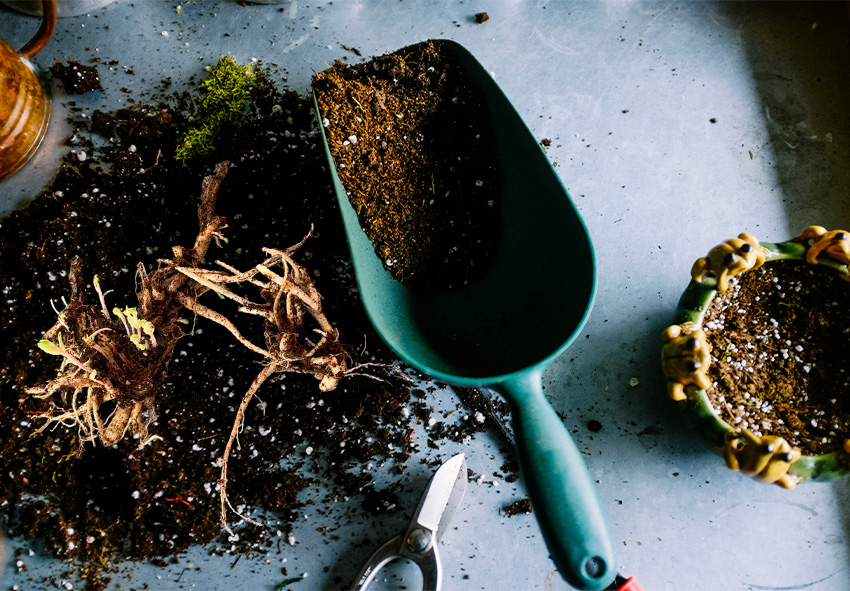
(419,542)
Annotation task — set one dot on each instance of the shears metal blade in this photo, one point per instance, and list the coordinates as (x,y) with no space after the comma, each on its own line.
(438,504)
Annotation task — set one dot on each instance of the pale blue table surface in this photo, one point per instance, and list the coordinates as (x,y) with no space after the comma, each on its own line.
(674,125)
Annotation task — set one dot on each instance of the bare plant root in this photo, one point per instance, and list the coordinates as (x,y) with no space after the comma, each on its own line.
(118,358)
(298,336)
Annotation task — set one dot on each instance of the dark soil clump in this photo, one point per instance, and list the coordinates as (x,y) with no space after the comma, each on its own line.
(520,507)
(594,426)
(779,339)
(414,151)
(75,77)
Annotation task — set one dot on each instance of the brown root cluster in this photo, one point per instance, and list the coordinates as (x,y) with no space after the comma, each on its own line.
(298,335)
(100,365)
(120,357)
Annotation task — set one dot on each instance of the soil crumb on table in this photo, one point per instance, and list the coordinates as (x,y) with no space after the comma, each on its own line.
(779,339)
(414,151)
(75,77)
(520,507)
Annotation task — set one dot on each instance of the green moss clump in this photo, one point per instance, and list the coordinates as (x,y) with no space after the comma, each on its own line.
(226,93)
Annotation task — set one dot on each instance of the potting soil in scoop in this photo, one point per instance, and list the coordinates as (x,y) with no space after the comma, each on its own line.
(414,151)
(779,340)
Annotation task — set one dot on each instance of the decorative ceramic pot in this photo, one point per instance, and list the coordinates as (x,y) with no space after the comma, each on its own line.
(687,358)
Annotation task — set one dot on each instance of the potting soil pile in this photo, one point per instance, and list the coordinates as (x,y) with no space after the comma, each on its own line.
(128,202)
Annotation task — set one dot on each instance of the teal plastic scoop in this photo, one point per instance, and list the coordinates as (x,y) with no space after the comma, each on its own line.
(501,331)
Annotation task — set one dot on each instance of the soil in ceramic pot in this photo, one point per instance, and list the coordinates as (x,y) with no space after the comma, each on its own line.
(780,337)
(414,151)
(130,202)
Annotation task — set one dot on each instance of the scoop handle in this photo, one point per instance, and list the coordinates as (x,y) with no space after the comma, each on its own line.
(562,494)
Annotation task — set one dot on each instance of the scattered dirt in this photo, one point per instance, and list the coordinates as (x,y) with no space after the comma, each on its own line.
(76,78)
(414,151)
(127,202)
(779,339)
(594,426)
(520,507)
(481,17)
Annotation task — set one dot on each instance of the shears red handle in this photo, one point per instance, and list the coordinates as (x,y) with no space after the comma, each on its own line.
(624,584)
